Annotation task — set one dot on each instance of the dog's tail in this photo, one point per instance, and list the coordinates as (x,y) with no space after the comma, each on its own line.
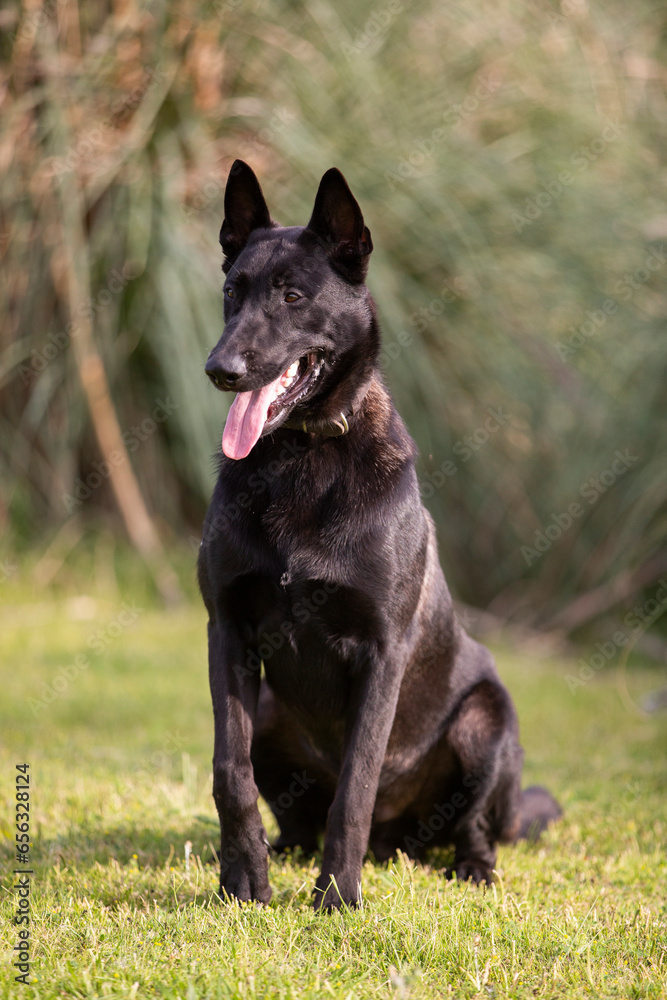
(537,809)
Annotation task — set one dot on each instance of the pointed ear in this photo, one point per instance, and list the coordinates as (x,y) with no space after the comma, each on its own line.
(337,220)
(245,210)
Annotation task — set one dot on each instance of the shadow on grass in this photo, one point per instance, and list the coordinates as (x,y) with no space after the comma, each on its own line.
(138,865)
(151,846)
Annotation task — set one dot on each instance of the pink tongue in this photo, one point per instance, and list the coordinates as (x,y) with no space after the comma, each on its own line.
(246,418)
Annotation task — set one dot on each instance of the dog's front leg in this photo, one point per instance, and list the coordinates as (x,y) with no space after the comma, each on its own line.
(370,718)
(244,845)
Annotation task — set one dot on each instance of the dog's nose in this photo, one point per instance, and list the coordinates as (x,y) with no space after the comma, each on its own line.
(226,373)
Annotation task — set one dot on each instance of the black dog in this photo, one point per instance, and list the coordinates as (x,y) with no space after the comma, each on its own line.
(379,721)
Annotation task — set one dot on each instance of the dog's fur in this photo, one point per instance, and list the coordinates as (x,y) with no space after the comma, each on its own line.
(379,721)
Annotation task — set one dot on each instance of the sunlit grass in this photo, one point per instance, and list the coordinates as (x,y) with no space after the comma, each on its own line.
(120,771)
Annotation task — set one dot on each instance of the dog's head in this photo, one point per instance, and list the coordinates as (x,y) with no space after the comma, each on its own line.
(297,313)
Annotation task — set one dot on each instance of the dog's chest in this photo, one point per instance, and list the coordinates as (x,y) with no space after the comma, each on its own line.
(311,636)
(306,536)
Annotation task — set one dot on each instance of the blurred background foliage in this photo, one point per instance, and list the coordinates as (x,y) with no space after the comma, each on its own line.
(510,161)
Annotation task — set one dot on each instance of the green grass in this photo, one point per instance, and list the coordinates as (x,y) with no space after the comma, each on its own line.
(120,767)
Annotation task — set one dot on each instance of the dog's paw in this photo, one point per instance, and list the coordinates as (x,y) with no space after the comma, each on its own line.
(330,893)
(471,868)
(243,885)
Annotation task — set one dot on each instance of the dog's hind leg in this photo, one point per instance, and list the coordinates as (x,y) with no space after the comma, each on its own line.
(484,738)
(289,778)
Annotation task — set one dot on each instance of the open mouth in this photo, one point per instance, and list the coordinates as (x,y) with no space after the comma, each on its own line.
(295,383)
(260,410)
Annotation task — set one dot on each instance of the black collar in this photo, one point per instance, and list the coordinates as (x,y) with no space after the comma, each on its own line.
(324,428)
(336,426)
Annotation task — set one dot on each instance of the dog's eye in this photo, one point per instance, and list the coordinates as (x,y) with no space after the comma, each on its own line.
(292,297)
(229,292)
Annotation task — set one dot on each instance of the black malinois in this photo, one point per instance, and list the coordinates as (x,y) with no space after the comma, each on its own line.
(376,719)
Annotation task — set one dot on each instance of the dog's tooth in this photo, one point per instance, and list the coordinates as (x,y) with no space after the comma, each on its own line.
(288,376)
